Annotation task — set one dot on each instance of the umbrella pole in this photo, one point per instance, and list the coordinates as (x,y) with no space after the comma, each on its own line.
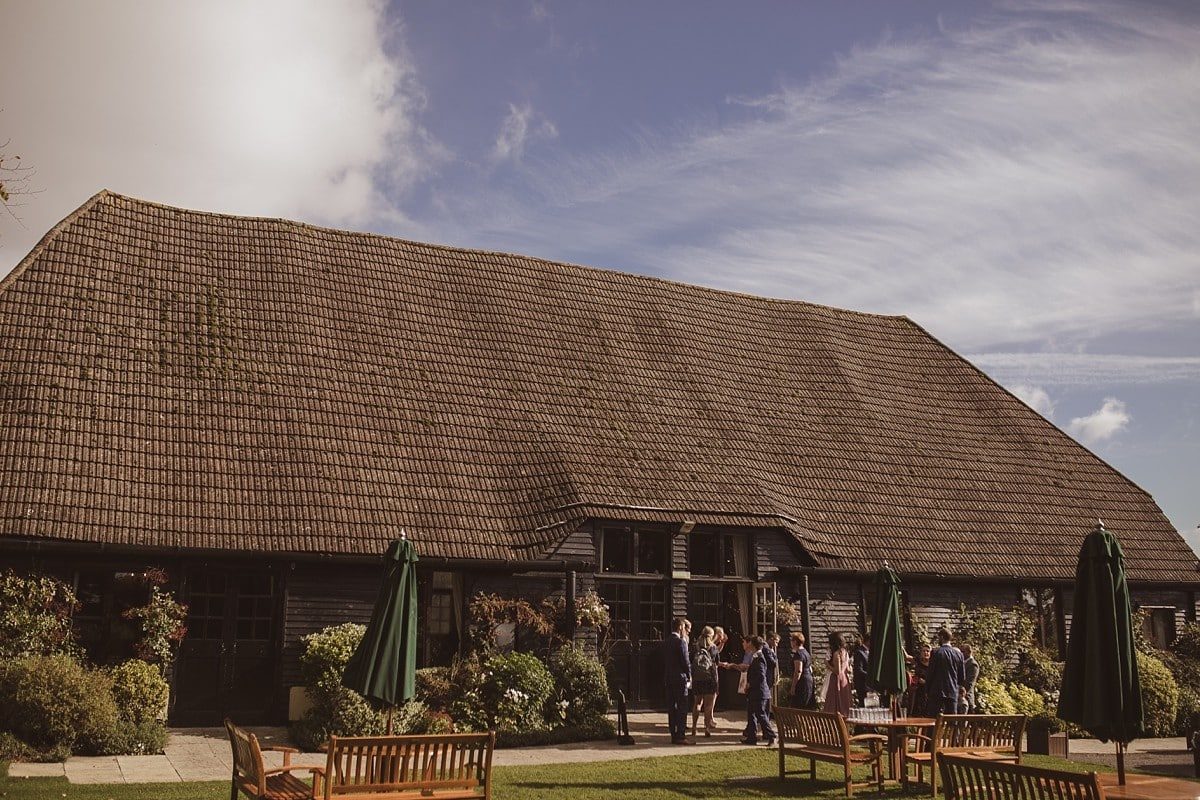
(1121,763)
(392,710)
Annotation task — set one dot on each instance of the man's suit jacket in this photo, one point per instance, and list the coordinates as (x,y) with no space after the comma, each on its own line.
(677,663)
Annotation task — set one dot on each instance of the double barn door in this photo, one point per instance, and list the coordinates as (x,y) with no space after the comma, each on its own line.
(227,661)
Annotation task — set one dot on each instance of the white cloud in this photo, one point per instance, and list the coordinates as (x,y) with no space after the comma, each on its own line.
(1087,369)
(1104,423)
(1034,175)
(294,108)
(520,126)
(1035,397)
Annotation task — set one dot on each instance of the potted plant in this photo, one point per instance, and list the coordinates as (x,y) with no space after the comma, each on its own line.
(1046,735)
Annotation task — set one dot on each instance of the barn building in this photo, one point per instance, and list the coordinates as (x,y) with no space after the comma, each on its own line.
(258,406)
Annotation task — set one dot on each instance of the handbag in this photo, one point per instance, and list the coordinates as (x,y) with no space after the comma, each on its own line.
(743,683)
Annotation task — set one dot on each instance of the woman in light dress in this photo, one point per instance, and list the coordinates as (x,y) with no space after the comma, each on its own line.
(837,676)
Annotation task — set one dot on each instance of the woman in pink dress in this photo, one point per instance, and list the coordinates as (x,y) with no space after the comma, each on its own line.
(837,696)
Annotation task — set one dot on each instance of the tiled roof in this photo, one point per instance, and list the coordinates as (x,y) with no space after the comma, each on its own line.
(183,379)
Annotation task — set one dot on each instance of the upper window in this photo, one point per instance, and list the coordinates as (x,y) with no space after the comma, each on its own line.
(632,551)
(719,555)
(1159,626)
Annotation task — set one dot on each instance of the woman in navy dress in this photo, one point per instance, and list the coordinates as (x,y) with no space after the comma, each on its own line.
(802,677)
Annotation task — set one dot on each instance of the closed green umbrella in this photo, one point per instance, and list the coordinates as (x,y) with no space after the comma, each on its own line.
(885,667)
(384,667)
(1100,689)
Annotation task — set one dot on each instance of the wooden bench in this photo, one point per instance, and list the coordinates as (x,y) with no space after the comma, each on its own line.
(445,766)
(818,736)
(970,778)
(252,778)
(996,737)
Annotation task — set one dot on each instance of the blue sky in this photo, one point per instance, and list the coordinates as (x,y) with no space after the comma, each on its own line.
(1022,179)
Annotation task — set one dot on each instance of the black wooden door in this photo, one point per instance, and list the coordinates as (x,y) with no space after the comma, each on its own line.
(635,640)
(226,664)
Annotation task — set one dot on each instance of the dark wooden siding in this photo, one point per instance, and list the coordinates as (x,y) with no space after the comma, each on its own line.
(1163,597)
(320,595)
(833,606)
(774,549)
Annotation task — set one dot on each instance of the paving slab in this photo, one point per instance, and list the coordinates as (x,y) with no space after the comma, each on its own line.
(36,770)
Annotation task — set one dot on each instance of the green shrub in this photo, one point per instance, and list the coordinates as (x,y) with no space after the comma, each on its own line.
(13,749)
(434,687)
(161,626)
(509,694)
(1040,671)
(140,691)
(580,688)
(327,652)
(1026,700)
(35,616)
(1187,715)
(993,698)
(1160,696)
(598,730)
(53,702)
(993,633)
(1187,642)
(336,710)
(1046,721)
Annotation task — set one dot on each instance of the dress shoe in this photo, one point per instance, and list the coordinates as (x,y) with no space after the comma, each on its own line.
(748,741)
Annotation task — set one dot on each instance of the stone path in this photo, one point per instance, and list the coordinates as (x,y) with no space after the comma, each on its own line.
(202,754)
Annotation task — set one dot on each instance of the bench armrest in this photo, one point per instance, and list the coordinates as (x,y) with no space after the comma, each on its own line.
(313,768)
(279,748)
(868,737)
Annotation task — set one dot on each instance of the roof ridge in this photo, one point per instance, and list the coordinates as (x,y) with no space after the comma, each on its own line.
(109,194)
(50,236)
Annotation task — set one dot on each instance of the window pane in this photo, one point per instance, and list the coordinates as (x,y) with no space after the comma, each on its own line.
(737,556)
(652,553)
(704,606)
(704,554)
(618,550)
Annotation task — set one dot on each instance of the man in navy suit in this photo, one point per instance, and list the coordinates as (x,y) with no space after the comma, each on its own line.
(947,672)
(677,666)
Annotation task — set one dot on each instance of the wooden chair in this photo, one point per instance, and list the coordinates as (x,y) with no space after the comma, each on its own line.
(819,736)
(253,779)
(447,767)
(996,737)
(971,778)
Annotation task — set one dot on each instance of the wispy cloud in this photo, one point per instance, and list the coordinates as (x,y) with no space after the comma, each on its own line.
(1086,369)
(1035,397)
(1034,175)
(1110,419)
(293,108)
(519,127)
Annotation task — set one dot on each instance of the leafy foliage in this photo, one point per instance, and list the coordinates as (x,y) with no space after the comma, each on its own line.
(335,710)
(993,698)
(1040,671)
(994,635)
(35,616)
(1026,700)
(509,694)
(1160,695)
(161,622)
(140,691)
(580,686)
(54,703)
(1187,642)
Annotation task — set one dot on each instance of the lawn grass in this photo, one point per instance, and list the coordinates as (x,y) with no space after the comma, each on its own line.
(731,774)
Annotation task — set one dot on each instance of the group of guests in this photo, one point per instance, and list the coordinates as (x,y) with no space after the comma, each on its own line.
(940,680)
(693,680)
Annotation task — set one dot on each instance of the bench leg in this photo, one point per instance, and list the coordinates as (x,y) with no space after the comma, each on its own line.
(812,769)
(849,782)
(781,770)
(933,773)
(233,787)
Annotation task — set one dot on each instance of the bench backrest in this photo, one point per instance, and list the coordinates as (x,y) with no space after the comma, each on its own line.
(817,728)
(978,731)
(967,778)
(357,764)
(247,759)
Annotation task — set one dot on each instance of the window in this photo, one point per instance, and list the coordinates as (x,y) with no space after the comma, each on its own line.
(719,555)
(441,605)
(1159,626)
(630,551)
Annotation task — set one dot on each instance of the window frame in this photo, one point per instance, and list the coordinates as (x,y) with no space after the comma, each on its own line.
(635,551)
(722,536)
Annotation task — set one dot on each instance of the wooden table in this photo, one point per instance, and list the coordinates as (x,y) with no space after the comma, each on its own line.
(896,728)
(1148,787)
